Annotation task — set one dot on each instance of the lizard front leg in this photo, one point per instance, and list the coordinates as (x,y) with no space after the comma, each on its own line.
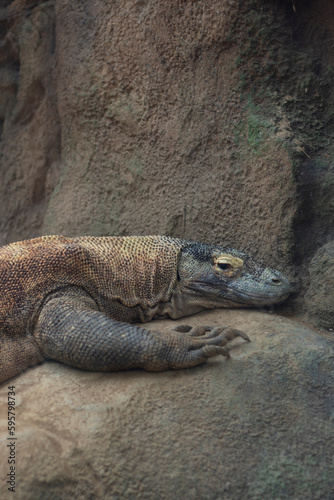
(71,329)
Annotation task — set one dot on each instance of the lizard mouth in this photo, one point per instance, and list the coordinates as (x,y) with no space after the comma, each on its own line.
(254,299)
(271,287)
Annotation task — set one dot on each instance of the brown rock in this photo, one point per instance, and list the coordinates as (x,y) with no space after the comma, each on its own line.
(255,426)
(319,298)
(156,136)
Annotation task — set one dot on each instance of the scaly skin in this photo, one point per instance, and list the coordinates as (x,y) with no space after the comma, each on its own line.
(72,299)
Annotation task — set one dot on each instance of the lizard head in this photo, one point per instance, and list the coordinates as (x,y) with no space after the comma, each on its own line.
(229,278)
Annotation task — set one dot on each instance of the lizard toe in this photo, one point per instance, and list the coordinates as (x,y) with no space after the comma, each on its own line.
(232,333)
(182,328)
(198,356)
(194,331)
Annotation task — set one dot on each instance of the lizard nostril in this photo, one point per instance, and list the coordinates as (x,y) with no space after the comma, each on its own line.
(276,281)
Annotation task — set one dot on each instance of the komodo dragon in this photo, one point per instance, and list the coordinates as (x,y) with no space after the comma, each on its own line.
(72,299)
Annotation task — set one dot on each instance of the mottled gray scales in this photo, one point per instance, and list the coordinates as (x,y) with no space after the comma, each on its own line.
(73,299)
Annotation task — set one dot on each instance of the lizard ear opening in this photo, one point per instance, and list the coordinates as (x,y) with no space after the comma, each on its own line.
(228,265)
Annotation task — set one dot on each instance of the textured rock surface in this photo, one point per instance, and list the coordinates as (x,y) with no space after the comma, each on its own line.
(319,298)
(151,114)
(192,119)
(257,426)
(188,119)
(29,119)
(130,118)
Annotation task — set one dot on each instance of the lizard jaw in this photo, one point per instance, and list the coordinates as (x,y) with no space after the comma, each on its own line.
(270,287)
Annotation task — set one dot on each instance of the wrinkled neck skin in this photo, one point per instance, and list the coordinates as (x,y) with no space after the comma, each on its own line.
(207,280)
(185,302)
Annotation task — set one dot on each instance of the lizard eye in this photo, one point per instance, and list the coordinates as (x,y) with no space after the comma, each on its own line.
(228,265)
(224,266)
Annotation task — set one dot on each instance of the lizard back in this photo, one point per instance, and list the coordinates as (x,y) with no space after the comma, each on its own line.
(132,271)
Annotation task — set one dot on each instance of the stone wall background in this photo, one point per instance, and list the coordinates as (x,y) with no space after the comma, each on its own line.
(205,120)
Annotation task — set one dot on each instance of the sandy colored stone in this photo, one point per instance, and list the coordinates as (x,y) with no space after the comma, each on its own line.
(319,298)
(29,119)
(128,118)
(206,120)
(256,426)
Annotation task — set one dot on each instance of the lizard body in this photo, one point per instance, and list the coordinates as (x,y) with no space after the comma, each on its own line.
(73,299)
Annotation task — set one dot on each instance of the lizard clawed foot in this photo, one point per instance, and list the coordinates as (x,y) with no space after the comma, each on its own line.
(211,331)
(194,346)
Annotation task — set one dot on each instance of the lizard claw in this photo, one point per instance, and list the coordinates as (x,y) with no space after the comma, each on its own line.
(194,346)
(211,331)
(231,333)
(209,351)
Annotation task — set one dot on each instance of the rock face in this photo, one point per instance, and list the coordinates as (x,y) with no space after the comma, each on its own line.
(151,118)
(319,298)
(29,119)
(130,118)
(256,426)
(206,120)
